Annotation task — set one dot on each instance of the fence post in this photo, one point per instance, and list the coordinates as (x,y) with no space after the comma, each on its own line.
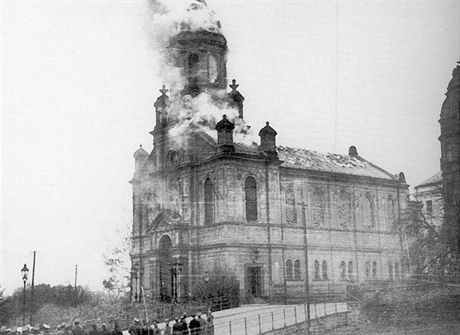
(316,313)
(295,314)
(284,315)
(273,322)
(230,326)
(245,327)
(325,312)
(260,331)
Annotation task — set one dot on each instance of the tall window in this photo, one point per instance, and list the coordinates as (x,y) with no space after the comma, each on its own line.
(390,271)
(318,208)
(397,273)
(212,69)
(391,211)
(429,206)
(374,270)
(193,64)
(317,275)
(297,269)
(208,202)
(350,270)
(369,207)
(343,270)
(250,190)
(288,269)
(324,268)
(345,215)
(291,215)
(368,270)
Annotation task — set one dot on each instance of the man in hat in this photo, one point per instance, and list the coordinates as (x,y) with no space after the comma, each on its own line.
(194,325)
(156,330)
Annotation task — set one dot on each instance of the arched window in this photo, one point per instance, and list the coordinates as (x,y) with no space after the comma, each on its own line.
(297,269)
(212,69)
(318,208)
(291,215)
(324,268)
(368,270)
(343,270)
(317,275)
(193,63)
(374,270)
(345,213)
(350,270)
(390,271)
(250,190)
(397,273)
(288,269)
(391,216)
(208,202)
(369,210)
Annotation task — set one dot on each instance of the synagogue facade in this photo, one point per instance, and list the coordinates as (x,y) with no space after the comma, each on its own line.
(280,219)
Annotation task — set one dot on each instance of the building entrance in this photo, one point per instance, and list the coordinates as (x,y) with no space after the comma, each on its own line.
(254,280)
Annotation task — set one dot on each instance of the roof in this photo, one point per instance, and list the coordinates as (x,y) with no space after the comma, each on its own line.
(330,162)
(437,178)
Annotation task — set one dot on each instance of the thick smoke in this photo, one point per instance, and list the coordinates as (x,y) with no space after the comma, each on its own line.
(186,113)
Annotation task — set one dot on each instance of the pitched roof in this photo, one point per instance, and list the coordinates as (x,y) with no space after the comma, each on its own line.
(437,178)
(330,162)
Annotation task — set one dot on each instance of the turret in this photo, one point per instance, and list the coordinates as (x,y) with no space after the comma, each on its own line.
(268,140)
(235,98)
(225,135)
(140,155)
(161,105)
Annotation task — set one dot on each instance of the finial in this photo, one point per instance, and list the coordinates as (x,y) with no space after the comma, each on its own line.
(164,90)
(267,123)
(140,145)
(234,85)
(224,116)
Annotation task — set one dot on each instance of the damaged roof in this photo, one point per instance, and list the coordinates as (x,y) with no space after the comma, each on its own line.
(437,178)
(330,162)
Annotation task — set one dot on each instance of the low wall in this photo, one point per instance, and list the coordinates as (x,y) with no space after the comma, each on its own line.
(317,326)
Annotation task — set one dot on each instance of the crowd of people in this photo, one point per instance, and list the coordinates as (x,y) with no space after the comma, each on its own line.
(198,324)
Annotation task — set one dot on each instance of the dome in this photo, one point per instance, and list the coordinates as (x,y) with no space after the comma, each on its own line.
(140,153)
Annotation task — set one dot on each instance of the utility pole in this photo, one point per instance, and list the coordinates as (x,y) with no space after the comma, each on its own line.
(75,285)
(32,297)
(307,283)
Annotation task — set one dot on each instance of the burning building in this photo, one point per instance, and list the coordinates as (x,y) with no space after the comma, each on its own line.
(210,194)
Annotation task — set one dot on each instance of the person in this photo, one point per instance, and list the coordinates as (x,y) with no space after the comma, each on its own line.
(77,328)
(209,323)
(194,326)
(202,321)
(93,330)
(60,329)
(104,330)
(184,325)
(168,330)
(117,329)
(177,327)
(156,330)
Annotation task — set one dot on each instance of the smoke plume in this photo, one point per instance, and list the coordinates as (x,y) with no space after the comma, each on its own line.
(188,114)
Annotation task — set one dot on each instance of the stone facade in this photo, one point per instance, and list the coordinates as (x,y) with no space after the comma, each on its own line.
(276,217)
(429,195)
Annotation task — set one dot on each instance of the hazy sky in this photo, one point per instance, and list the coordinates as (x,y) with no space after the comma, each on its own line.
(79,79)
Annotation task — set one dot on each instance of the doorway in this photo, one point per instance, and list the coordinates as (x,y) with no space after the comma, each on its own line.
(254,280)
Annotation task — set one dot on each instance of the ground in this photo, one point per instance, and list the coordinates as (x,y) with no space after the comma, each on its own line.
(416,328)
